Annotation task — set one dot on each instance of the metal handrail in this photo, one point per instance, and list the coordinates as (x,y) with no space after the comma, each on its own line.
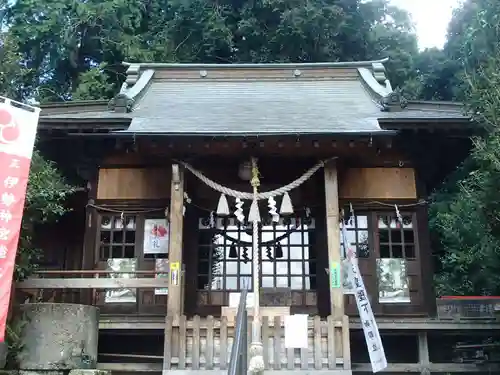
(238,360)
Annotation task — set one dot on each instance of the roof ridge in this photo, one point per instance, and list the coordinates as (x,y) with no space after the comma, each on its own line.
(337,64)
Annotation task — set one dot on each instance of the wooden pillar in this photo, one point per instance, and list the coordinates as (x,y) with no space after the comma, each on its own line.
(175,307)
(333,245)
(333,235)
(423,353)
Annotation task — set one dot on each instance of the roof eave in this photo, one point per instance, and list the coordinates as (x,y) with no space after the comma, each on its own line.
(256,135)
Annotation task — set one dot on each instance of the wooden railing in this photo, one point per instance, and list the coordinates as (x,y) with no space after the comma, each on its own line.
(205,344)
(96,287)
(91,279)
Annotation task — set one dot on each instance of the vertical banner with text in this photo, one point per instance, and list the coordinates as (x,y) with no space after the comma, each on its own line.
(370,329)
(18,124)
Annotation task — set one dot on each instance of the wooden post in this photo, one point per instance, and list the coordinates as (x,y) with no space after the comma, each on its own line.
(423,353)
(333,235)
(333,238)
(175,306)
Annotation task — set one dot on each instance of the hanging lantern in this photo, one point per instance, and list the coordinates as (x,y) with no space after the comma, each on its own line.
(233,253)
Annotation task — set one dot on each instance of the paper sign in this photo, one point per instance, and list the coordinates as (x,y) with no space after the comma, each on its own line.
(18,125)
(335,275)
(174,279)
(174,273)
(370,328)
(156,235)
(296,331)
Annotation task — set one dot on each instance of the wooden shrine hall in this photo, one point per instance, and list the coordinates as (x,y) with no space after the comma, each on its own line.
(206,180)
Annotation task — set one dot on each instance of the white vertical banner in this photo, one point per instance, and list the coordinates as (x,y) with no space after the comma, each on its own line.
(370,328)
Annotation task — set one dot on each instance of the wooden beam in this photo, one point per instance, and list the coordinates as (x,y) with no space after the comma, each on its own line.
(333,240)
(89,283)
(175,304)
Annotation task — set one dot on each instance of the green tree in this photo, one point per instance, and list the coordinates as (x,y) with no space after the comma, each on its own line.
(75,49)
(46,198)
(465,213)
(11,71)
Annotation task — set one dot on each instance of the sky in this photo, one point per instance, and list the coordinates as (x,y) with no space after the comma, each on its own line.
(431,18)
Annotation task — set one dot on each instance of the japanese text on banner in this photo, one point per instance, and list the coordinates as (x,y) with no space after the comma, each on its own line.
(370,328)
(18,125)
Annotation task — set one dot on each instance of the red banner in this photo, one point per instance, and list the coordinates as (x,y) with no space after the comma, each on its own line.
(18,123)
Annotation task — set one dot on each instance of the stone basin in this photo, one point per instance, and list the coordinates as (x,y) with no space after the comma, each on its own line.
(59,336)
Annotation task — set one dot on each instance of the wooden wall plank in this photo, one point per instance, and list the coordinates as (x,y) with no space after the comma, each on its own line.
(265,341)
(133,183)
(195,355)
(167,346)
(378,183)
(332,360)
(209,355)
(277,342)
(182,342)
(318,355)
(223,343)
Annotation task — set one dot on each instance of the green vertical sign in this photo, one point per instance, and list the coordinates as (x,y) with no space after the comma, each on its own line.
(335,278)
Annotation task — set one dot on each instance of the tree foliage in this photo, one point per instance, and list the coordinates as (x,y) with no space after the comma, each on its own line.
(46,198)
(74,49)
(466,212)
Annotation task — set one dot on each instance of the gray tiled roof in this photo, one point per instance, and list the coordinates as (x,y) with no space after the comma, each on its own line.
(256,107)
(258,99)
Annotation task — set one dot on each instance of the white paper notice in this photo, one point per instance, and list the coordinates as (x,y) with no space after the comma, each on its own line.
(296,331)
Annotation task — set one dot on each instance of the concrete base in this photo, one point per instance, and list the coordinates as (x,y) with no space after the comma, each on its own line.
(58,336)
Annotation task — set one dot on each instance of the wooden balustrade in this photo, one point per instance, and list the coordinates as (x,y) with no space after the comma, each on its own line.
(205,344)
